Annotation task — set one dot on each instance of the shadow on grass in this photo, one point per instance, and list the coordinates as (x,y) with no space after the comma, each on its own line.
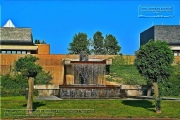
(35,105)
(140,103)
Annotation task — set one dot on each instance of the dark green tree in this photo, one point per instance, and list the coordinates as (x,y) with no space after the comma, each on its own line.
(80,43)
(27,67)
(98,43)
(153,61)
(111,45)
(37,41)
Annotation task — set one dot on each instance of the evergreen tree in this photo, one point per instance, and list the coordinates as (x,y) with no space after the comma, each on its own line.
(98,43)
(80,43)
(111,45)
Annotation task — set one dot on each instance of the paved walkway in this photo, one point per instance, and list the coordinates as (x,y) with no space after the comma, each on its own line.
(130,98)
(47,98)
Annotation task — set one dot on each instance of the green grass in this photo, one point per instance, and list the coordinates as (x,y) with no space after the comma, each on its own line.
(102,108)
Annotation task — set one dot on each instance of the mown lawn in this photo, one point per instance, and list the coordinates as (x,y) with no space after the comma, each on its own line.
(101,108)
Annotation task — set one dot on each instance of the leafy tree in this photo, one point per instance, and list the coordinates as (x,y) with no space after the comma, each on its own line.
(80,43)
(153,61)
(37,41)
(27,67)
(98,43)
(111,45)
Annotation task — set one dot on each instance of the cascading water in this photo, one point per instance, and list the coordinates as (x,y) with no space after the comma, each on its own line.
(88,80)
(88,73)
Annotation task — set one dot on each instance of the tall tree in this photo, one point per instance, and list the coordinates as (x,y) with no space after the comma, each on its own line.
(27,67)
(153,61)
(98,43)
(80,43)
(111,45)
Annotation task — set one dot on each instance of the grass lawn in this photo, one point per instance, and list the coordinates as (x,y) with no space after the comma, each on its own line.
(115,108)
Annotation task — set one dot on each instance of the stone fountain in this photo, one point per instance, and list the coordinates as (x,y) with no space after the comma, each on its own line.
(85,78)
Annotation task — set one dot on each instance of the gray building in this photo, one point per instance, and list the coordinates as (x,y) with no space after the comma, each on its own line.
(168,33)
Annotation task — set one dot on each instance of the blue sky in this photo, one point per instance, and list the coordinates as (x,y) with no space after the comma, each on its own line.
(57,21)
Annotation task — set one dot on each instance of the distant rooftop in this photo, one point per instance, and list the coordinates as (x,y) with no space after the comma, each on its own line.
(10,35)
(168,33)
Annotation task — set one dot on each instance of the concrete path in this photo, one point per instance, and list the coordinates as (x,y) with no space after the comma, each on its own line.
(47,98)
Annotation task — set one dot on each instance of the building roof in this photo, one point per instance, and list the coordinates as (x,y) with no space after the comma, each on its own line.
(10,35)
(168,33)
(15,36)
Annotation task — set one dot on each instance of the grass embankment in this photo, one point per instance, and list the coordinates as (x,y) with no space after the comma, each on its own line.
(102,108)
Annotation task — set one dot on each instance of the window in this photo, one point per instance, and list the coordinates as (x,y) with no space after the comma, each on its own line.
(3,52)
(23,52)
(8,52)
(13,52)
(18,52)
(175,53)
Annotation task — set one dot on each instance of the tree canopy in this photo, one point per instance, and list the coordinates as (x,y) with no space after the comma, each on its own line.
(80,43)
(100,45)
(27,67)
(153,60)
(111,45)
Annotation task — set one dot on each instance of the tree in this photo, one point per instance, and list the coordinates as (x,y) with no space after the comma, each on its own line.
(98,43)
(43,42)
(27,67)
(153,61)
(80,43)
(111,45)
(37,41)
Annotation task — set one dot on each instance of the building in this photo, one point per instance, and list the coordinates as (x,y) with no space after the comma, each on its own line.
(168,33)
(19,41)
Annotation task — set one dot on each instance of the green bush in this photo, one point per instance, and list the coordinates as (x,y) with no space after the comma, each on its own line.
(171,87)
(13,86)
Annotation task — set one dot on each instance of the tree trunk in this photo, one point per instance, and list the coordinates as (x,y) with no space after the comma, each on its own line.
(30,95)
(157,97)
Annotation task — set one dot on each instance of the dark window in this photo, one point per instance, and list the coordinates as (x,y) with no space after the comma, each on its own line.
(107,69)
